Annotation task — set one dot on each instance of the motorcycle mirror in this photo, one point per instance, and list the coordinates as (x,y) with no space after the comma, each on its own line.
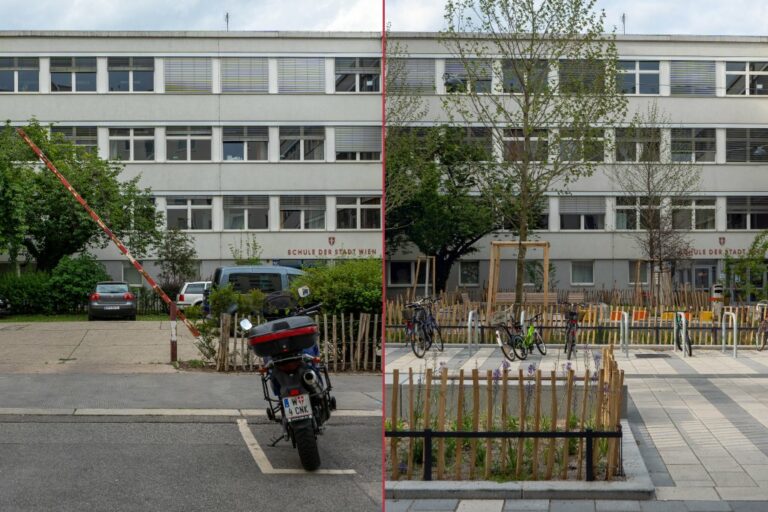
(304,291)
(245,324)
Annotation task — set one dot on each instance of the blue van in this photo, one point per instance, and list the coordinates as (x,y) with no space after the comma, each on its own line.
(267,278)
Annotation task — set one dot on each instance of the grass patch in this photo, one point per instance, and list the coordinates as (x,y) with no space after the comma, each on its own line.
(68,318)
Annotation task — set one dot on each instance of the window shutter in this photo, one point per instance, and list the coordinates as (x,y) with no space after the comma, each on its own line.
(301,75)
(362,65)
(244,75)
(416,76)
(758,204)
(246,133)
(358,138)
(455,67)
(69,64)
(188,75)
(19,63)
(586,205)
(246,201)
(688,77)
(305,202)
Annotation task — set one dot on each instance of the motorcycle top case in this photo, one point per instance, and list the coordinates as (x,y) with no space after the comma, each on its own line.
(292,334)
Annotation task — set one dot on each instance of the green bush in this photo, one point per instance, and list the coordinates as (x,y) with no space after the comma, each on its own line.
(73,279)
(28,293)
(349,286)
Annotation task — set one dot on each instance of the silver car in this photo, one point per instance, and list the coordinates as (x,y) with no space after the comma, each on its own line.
(112,299)
(191,294)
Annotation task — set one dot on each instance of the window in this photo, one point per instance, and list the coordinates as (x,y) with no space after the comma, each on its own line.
(189,213)
(188,75)
(578,147)
(477,76)
(469,273)
(73,74)
(131,144)
(638,269)
(747,212)
(520,74)
(302,143)
(131,74)
(82,136)
(413,76)
(693,145)
(244,282)
(582,213)
(633,213)
(245,74)
(400,273)
(358,74)
(746,145)
(19,74)
(246,212)
(637,145)
(692,78)
(638,76)
(693,214)
(581,76)
(515,149)
(300,75)
(358,143)
(746,78)
(358,212)
(582,272)
(302,212)
(188,143)
(246,143)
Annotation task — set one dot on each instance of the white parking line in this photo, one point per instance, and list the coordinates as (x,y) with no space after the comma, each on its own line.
(266,467)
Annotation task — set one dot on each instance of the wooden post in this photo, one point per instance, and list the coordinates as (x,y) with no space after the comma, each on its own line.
(582,420)
(393,441)
(488,423)
(343,344)
(475,421)
(520,440)
(411,422)
(335,346)
(553,427)
(441,423)
(536,425)
(459,427)
(504,420)
(567,443)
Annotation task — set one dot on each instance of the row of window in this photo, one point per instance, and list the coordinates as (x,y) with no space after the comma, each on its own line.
(742,145)
(585,213)
(686,77)
(239,143)
(193,75)
(253,212)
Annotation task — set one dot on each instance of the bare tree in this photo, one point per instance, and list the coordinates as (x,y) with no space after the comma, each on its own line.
(658,179)
(551,70)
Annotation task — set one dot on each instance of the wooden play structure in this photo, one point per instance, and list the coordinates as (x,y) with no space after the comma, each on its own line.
(494,271)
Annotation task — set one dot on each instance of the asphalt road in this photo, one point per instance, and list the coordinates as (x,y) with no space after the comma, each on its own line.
(186,464)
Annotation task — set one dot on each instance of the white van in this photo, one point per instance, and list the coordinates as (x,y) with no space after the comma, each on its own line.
(191,294)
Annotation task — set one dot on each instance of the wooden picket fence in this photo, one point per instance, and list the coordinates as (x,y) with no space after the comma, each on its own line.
(599,324)
(591,401)
(348,342)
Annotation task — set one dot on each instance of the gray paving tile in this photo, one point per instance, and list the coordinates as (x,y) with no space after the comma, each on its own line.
(617,506)
(708,506)
(572,506)
(397,505)
(663,506)
(661,479)
(434,505)
(748,506)
(526,506)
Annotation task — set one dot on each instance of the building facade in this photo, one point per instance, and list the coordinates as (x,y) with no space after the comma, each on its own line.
(272,136)
(713,92)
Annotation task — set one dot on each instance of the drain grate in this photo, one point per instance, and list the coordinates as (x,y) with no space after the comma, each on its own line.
(650,356)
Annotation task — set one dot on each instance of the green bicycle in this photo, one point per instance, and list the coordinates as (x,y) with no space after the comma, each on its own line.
(517,344)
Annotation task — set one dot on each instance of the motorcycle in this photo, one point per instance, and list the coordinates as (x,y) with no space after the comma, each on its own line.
(295,383)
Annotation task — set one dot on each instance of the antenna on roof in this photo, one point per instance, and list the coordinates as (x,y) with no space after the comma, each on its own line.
(226,20)
(624,22)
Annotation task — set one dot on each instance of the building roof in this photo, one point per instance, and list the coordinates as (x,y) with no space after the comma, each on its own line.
(145,34)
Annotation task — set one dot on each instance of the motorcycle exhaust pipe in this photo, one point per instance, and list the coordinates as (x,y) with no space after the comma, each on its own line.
(311,381)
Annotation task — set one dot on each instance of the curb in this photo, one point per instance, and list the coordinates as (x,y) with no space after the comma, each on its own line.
(240,413)
(637,486)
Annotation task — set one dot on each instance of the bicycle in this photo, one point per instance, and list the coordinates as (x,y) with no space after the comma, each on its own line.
(679,336)
(421,326)
(762,329)
(518,345)
(571,329)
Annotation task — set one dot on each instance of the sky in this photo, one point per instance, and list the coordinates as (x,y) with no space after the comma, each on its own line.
(706,17)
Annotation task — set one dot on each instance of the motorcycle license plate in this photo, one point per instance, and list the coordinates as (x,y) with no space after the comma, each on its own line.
(297,407)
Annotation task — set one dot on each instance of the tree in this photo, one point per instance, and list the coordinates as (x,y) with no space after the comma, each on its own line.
(656,179)
(15,188)
(748,270)
(443,214)
(55,225)
(177,259)
(247,252)
(557,69)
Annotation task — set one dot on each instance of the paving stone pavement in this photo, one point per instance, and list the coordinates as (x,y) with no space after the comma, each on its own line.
(701,423)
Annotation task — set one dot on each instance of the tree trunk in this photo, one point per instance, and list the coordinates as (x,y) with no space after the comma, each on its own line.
(520,268)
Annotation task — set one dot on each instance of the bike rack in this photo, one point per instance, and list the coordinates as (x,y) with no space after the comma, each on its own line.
(734,329)
(522,320)
(624,332)
(473,326)
(684,323)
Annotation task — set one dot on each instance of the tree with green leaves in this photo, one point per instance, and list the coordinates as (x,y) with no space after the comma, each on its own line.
(177,259)
(554,91)
(247,252)
(54,225)
(746,272)
(15,193)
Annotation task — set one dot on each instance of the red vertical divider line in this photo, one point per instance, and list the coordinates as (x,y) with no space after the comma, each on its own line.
(383,249)
(121,247)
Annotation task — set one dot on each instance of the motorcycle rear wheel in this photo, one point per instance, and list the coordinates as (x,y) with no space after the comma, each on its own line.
(306,444)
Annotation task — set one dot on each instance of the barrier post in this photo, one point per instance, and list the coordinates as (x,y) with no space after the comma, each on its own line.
(684,324)
(625,332)
(174,354)
(724,324)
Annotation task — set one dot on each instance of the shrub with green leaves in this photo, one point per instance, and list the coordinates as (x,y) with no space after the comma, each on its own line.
(28,293)
(73,279)
(348,286)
